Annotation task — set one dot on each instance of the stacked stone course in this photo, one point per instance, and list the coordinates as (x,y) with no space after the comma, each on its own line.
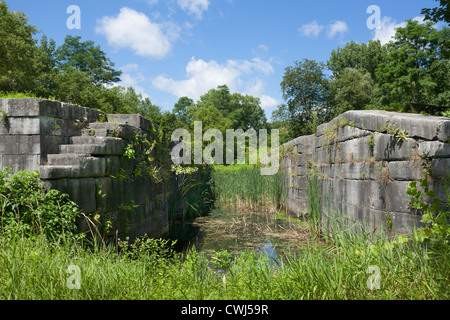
(365,161)
(78,155)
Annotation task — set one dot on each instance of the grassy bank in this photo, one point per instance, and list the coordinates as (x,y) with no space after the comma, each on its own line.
(37,264)
(34,268)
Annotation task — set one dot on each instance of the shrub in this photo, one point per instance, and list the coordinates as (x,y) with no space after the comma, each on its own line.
(26,208)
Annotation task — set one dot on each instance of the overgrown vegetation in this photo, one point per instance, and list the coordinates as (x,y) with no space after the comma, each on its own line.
(36,266)
(243,186)
(38,235)
(25,208)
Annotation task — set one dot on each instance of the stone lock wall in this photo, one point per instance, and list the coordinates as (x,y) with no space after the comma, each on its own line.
(77,154)
(365,160)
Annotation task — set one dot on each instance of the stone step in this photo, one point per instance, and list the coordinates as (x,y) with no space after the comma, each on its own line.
(109,129)
(88,167)
(66,159)
(97,133)
(109,147)
(100,140)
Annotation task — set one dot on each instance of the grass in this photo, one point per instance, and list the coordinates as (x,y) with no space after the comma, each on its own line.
(339,267)
(34,268)
(21,95)
(243,186)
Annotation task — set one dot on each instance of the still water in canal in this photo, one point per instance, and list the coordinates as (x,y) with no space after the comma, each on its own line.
(235,231)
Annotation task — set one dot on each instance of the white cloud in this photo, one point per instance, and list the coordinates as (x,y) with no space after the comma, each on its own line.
(337,27)
(312,29)
(263,47)
(134,30)
(203,76)
(268,102)
(388,27)
(194,7)
(131,77)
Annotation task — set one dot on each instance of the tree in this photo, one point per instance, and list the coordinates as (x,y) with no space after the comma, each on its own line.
(180,110)
(82,74)
(410,71)
(305,88)
(441,13)
(353,90)
(17,51)
(363,56)
(88,58)
(244,112)
(46,64)
(281,121)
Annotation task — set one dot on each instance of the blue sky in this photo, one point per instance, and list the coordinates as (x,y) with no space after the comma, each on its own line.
(172,48)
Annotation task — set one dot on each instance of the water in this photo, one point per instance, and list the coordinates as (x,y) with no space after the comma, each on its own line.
(235,231)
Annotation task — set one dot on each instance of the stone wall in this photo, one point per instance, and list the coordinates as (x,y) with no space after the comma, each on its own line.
(365,160)
(77,154)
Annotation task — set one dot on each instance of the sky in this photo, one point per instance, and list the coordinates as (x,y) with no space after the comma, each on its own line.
(168,49)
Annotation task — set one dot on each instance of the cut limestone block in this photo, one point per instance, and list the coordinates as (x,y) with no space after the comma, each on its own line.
(110,146)
(387,147)
(88,167)
(434,149)
(81,191)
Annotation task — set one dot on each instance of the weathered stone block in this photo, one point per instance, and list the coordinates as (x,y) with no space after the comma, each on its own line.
(396,198)
(406,170)
(350,132)
(359,171)
(25,125)
(110,146)
(66,159)
(20,144)
(134,120)
(367,119)
(433,149)
(440,168)
(51,144)
(21,161)
(444,131)
(29,107)
(355,150)
(387,147)
(81,191)
(418,126)
(123,131)
(118,192)
(88,167)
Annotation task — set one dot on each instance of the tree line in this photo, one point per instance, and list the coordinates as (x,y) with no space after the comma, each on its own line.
(409,74)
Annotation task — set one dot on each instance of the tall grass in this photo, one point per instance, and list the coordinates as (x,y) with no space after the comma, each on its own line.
(244,186)
(33,268)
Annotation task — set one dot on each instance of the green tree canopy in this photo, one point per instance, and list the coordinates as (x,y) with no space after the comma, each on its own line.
(440,13)
(89,58)
(17,51)
(243,111)
(417,59)
(306,90)
(365,56)
(353,90)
